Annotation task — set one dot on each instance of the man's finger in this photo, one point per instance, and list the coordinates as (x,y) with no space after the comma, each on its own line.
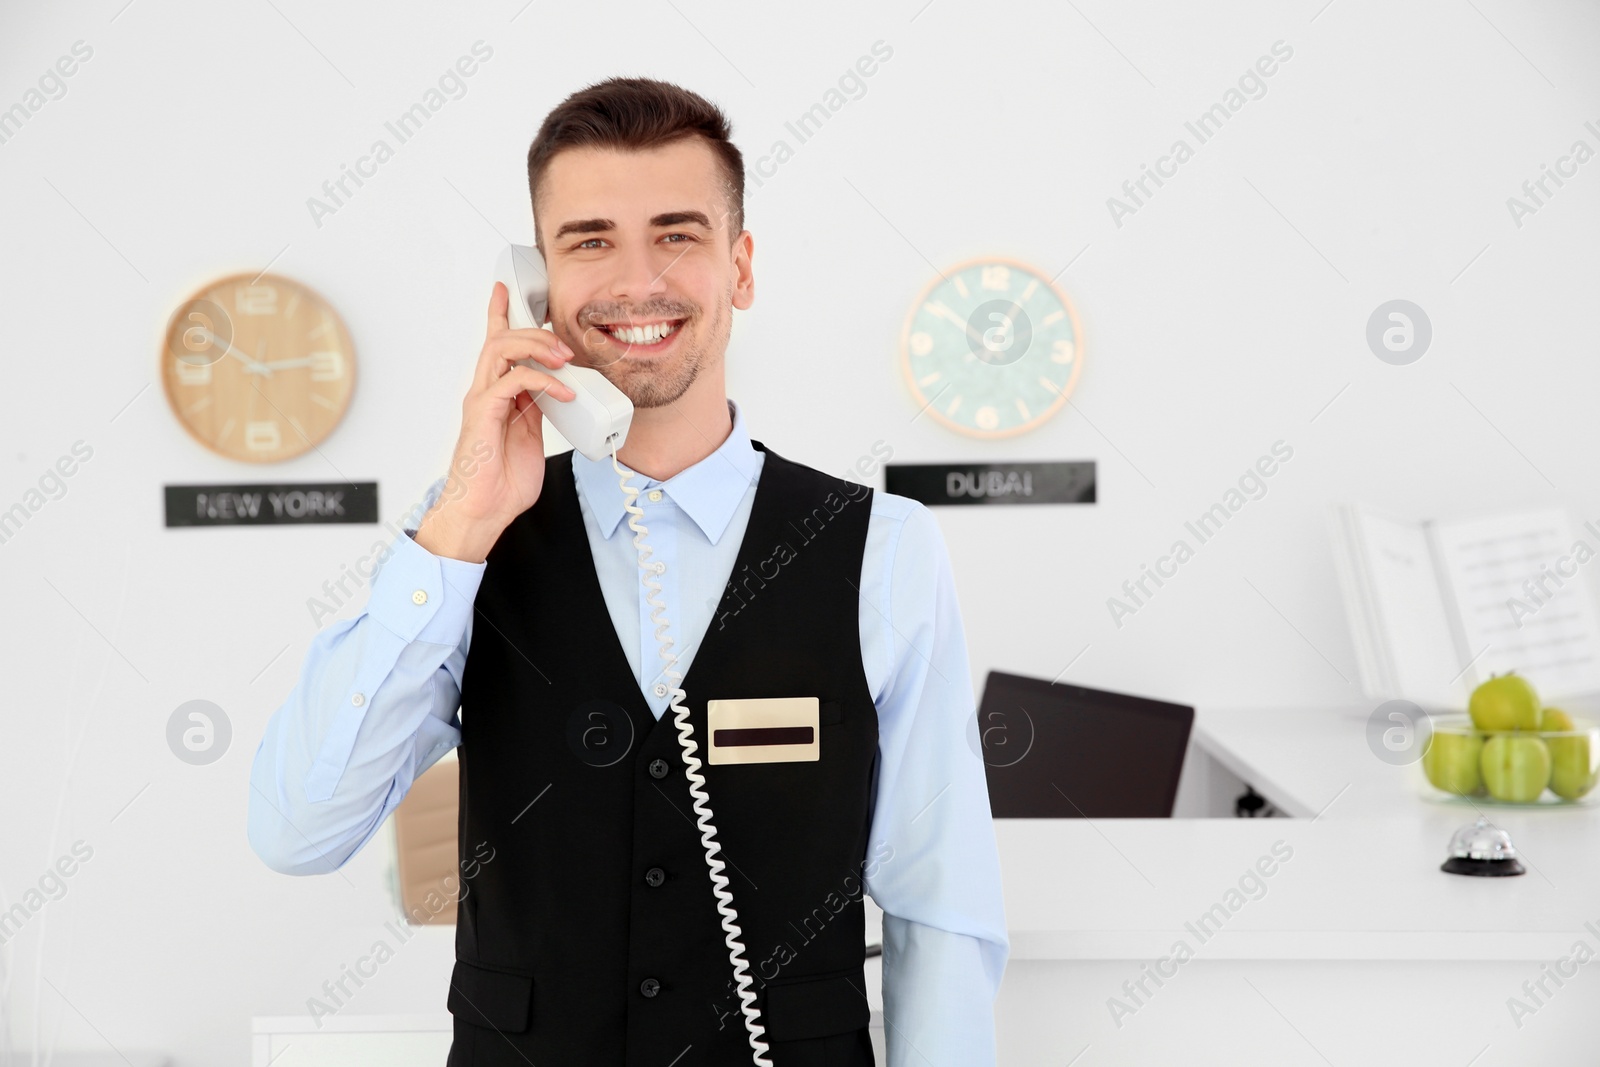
(485,371)
(524,401)
(499,304)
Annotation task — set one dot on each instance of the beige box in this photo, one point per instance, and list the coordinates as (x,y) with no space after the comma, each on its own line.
(426,854)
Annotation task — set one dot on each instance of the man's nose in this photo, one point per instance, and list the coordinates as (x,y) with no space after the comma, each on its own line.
(639,274)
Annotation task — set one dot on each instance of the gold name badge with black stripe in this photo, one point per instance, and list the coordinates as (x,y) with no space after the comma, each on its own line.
(763,730)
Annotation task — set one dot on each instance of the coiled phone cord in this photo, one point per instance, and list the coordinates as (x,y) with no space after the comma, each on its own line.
(680,715)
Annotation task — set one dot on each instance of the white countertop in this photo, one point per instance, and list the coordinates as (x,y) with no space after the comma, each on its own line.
(1363,881)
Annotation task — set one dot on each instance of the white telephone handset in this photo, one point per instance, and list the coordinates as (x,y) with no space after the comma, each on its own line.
(600,411)
(596,423)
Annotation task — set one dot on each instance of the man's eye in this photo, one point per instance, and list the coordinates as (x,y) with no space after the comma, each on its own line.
(685,236)
(582,243)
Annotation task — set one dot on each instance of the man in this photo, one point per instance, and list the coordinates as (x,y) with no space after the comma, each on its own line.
(592,934)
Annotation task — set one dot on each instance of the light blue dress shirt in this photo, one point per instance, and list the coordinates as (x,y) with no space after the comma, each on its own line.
(378,698)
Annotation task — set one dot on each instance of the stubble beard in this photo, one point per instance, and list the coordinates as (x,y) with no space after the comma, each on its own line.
(654,385)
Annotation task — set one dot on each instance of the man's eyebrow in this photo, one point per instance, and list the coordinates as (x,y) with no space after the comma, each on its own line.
(584,226)
(675,218)
(670,218)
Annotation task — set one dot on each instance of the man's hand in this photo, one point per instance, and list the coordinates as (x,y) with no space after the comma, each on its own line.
(498,467)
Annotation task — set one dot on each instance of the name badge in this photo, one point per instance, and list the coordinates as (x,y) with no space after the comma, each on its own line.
(763,730)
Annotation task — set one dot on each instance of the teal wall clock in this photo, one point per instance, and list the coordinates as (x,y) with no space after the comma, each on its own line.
(991,348)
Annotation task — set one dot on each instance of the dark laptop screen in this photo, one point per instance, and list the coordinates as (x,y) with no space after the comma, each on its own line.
(1066,752)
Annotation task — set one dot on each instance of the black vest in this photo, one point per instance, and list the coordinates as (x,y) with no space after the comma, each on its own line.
(588,932)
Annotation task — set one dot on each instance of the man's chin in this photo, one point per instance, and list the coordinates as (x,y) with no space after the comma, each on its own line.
(651,384)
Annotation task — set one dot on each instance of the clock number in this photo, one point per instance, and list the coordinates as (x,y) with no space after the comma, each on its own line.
(327,366)
(192,373)
(262,436)
(256,299)
(1061,352)
(996,276)
(921,343)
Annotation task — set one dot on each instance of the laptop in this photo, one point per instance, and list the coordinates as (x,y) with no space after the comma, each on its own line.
(1054,751)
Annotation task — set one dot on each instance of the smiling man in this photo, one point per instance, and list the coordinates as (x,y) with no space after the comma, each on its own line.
(514,624)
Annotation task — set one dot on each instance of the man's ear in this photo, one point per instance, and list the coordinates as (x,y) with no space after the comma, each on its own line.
(744,281)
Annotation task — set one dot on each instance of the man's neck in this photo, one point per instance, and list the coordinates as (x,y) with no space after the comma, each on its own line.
(666,440)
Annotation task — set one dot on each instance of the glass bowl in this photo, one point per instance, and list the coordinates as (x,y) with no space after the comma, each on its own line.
(1520,767)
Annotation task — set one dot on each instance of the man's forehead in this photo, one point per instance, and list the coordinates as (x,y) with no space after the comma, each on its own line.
(632,186)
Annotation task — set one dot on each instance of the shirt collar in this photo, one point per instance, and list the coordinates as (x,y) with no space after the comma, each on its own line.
(709,492)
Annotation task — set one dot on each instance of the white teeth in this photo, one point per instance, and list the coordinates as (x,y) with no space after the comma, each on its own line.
(642,335)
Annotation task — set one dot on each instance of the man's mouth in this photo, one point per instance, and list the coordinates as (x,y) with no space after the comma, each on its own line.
(649,336)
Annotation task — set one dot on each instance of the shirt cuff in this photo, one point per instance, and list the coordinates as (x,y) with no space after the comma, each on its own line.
(419,596)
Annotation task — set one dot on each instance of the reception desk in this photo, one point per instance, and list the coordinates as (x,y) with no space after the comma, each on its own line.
(1329,936)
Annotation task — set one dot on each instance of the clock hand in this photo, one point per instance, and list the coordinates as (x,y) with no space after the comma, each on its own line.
(251,366)
(945,313)
(279,364)
(978,338)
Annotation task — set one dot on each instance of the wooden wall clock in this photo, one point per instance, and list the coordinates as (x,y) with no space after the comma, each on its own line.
(258,368)
(991,348)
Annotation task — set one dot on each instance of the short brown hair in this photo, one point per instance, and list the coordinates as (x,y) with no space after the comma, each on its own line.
(632,114)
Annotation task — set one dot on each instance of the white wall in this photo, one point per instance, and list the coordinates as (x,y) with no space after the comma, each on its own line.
(1223,316)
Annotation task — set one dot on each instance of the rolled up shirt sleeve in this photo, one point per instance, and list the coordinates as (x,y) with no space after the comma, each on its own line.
(375,705)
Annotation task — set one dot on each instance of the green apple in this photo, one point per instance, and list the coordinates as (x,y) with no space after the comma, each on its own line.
(1554,719)
(1516,769)
(1452,762)
(1505,702)
(1571,775)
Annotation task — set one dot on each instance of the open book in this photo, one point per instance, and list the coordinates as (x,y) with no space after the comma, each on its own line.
(1437,607)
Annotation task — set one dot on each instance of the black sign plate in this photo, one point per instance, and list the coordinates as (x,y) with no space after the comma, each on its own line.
(271,504)
(1070,482)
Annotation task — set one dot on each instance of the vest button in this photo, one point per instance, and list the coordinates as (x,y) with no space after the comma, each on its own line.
(655,876)
(658,768)
(649,987)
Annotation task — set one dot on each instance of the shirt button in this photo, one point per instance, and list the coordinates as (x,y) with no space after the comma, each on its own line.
(659,567)
(655,876)
(660,690)
(420,596)
(358,700)
(658,768)
(649,987)
(655,495)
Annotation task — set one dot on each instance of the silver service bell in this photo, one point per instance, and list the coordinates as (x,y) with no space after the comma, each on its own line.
(1484,850)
